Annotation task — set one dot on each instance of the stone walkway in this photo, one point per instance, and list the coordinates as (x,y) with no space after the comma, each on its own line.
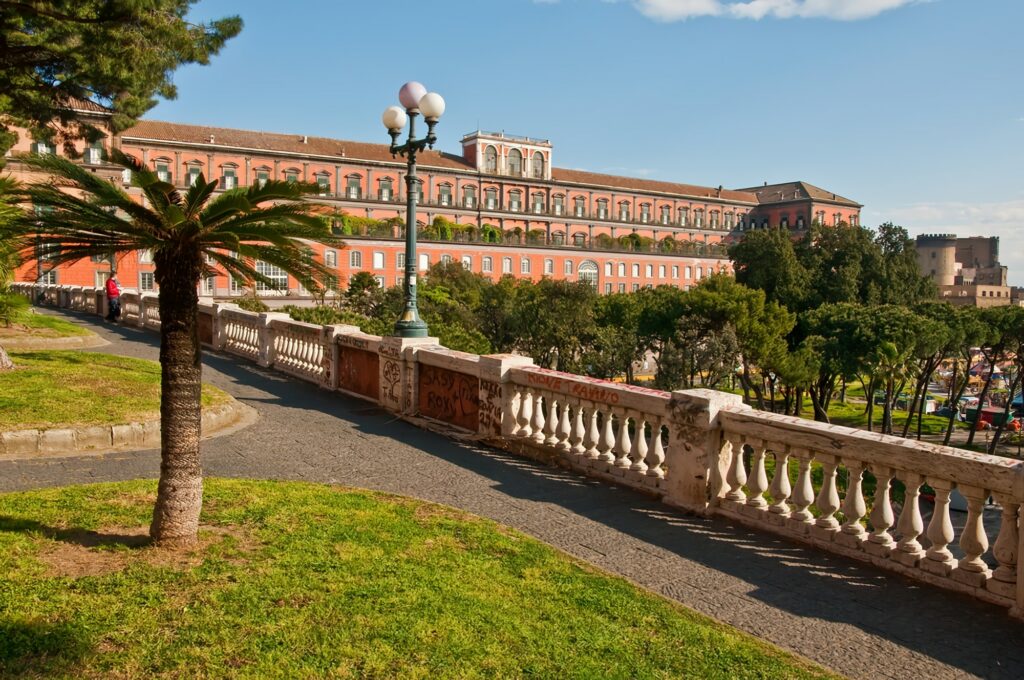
(849,617)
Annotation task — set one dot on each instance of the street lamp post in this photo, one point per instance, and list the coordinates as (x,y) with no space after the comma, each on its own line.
(415,100)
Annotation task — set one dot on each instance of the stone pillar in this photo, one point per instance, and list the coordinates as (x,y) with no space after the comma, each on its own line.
(332,353)
(695,442)
(494,396)
(398,374)
(266,335)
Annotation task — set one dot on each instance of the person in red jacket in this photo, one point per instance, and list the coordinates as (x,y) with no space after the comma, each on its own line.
(113,297)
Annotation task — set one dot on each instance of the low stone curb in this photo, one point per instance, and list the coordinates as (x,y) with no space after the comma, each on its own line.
(71,342)
(97,439)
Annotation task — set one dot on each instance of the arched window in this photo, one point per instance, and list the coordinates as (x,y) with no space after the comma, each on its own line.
(95,153)
(194,170)
(666,214)
(506,265)
(635,271)
(538,165)
(262,175)
(323,183)
(384,189)
(698,218)
(487,264)
(579,239)
(624,210)
(684,216)
(228,176)
(622,269)
(587,271)
(490,159)
(444,194)
(558,204)
(645,212)
(163,172)
(538,203)
(515,163)
(353,186)
(549,267)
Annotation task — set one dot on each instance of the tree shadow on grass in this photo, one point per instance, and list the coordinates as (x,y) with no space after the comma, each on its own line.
(85,538)
(40,648)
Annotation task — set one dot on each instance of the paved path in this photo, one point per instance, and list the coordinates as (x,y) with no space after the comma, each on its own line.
(852,618)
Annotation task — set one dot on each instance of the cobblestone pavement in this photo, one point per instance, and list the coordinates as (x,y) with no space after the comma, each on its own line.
(849,617)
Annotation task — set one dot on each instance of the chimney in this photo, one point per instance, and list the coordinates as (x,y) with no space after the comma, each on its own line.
(305,139)
(766,182)
(719,191)
(211,139)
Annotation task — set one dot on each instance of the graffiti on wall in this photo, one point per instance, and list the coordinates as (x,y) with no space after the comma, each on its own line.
(449,396)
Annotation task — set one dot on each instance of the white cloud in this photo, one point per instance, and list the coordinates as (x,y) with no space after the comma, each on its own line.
(841,10)
(1003,219)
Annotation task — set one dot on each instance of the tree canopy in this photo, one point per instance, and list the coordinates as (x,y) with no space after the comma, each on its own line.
(116,53)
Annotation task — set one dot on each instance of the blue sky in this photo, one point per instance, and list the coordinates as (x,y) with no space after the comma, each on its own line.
(913,108)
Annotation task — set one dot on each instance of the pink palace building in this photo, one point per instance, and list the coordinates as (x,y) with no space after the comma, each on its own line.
(509,209)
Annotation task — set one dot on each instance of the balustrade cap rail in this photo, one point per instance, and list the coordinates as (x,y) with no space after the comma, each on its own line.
(654,402)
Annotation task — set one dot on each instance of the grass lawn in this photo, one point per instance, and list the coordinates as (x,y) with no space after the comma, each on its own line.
(32,325)
(60,388)
(302,580)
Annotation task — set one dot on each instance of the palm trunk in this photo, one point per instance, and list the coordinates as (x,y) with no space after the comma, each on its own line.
(180,493)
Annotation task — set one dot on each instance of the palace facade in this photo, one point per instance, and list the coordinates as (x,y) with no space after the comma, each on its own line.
(505,208)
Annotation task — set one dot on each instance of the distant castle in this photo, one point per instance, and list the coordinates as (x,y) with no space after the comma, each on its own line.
(967,270)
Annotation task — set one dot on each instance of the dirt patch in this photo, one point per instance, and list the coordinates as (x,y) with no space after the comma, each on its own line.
(78,553)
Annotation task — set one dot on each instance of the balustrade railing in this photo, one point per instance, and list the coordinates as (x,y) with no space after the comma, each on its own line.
(297,349)
(241,333)
(888,501)
(615,429)
(863,495)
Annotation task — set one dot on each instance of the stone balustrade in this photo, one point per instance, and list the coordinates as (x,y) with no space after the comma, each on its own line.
(875,498)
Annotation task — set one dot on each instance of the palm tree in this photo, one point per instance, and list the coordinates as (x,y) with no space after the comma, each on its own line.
(9,303)
(188,234)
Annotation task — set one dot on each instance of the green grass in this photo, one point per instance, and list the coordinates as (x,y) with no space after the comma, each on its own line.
(32,325)
(303,580)
(60,388)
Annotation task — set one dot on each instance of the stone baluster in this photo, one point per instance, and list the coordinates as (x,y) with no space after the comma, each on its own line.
(579,432)
(526,398)
(1004,578)
(971,569)
(564,431)
(736,476)
(607,443)
(939,559)
(593,436)
(638,452)
(854,508)
(538,419)
(827,500)
(551,424)
(624,446)
(510,405)
(780,488)
(880,540)
(803,494)
(656,452)
(757,482)
(910,525)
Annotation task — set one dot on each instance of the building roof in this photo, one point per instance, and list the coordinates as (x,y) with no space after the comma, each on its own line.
(89,106)
(584,177)
(324,146)
(273,141)
(796,191)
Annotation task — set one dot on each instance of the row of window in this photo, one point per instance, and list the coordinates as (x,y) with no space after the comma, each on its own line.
(525,265)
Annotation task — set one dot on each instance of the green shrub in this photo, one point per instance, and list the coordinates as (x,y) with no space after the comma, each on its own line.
(251,303)
(12,306)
